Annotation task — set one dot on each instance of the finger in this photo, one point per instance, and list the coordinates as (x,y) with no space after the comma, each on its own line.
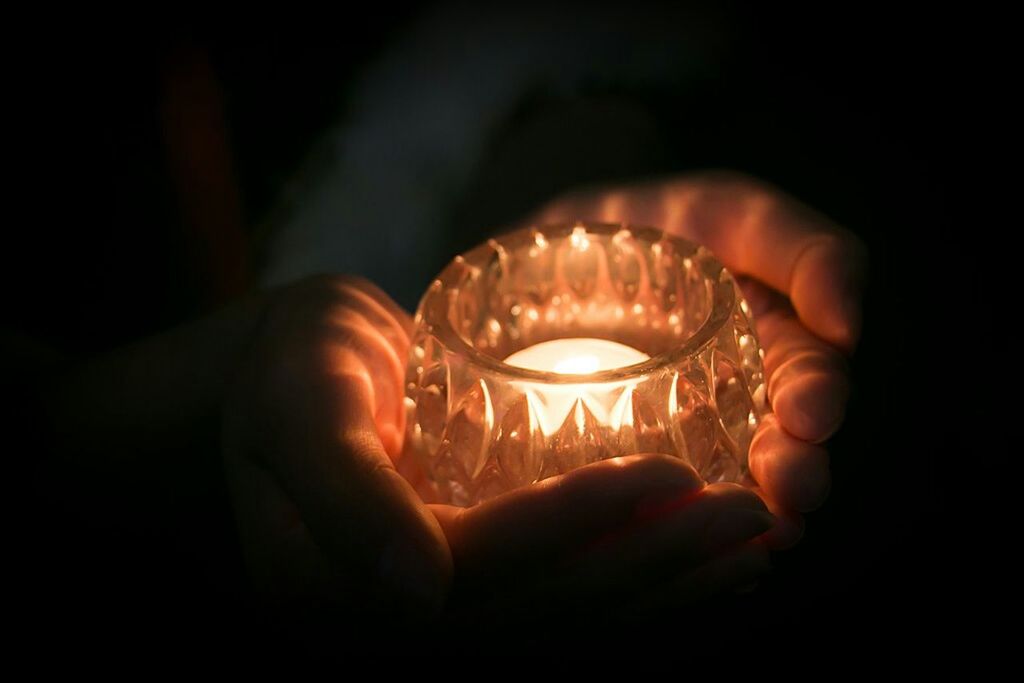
(376,305)
(791,471)
(685,534)
(346,313)
(348,332)
(789,524)
(537,524)
(753,229)
(756,229)
(681,537)
(395,325)
(360,511)
(808,383)
(730,571)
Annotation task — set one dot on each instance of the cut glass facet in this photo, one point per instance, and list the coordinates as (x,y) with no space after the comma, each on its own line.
(475,423)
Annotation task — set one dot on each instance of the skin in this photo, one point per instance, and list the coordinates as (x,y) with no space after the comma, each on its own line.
(803,276)
(307,382)
(325,514)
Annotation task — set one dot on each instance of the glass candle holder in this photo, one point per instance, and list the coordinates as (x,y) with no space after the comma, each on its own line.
(550,348)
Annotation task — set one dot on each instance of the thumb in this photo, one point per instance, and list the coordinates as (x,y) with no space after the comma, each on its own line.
(364,516)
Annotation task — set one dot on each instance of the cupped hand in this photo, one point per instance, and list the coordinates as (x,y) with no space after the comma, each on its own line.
(312,436)
(624,536)
(311,425)
(803,276)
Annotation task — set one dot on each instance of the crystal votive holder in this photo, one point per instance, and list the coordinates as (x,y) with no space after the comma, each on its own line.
(694,386)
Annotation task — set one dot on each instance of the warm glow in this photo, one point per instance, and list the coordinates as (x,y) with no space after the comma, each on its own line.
(579,239)
(550,404)
(576,356)
(577,365)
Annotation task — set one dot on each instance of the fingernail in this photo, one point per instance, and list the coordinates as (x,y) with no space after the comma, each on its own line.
(412,576)
(738,524)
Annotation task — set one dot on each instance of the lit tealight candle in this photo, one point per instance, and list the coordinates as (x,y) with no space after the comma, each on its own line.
(609,402)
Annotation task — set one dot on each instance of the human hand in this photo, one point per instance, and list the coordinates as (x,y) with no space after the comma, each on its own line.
(803,277)
(622,537)
(311,425)
(312,433)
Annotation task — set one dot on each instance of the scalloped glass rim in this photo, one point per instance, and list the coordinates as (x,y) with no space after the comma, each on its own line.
(723,300)
(473,421)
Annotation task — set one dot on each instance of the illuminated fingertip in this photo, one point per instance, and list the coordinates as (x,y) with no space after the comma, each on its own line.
(812,408)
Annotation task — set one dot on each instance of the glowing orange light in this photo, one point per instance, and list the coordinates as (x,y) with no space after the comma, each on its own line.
(609,402)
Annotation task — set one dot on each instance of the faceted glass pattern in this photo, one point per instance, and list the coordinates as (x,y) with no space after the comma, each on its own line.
(700,396)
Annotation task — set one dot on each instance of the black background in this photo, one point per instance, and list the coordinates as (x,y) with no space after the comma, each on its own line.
(886,120)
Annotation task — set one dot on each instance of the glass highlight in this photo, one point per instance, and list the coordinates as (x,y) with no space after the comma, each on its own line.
(630,341)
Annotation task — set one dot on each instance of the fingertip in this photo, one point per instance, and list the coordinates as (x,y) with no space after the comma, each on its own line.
(827,288)
(653,473)
(848,319)
(738,514)
(669,497)
(811,405)
(791,471)
(657,483)
(736,495)
(660,467)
